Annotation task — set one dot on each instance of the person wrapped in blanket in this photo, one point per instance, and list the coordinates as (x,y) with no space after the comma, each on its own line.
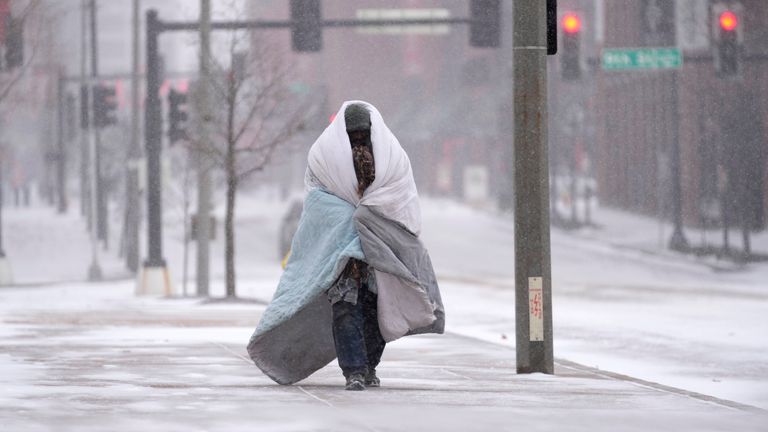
(358,275)
(359,343)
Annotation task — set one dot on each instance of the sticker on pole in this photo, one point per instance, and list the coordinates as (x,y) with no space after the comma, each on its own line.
(536,308)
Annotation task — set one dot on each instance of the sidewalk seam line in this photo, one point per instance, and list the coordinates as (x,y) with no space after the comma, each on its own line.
(315,397)
(736,406)
(639,382)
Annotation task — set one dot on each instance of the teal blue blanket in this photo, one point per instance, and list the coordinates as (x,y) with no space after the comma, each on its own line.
(326,238)
(294,337)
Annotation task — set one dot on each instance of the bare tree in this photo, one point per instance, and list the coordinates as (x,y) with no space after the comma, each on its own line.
(257,115)
(8,80)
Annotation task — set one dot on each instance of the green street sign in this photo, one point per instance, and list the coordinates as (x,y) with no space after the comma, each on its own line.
(621,59)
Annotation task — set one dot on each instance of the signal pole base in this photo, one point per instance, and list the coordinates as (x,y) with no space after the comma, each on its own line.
(154,281)
(6,275)
(678,241)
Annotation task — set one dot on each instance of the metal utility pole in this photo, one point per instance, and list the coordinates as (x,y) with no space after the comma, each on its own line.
(203,166)
(533,281)
(61,154)
(101,200)
(133,193)
(94,272)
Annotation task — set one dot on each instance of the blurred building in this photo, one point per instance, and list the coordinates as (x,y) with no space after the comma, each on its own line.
(446,101)
(639,115)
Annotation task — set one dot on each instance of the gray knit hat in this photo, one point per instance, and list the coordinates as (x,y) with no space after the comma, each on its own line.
(357,117)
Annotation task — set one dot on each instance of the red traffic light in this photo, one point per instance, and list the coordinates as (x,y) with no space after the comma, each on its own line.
(571,23)
(729,21)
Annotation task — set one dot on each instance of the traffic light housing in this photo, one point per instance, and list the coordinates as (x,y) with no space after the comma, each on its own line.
(14,43)
(104,105)
(307,26)
(177,116)
(485,23)
(570,54)
(728,37)
(551,27)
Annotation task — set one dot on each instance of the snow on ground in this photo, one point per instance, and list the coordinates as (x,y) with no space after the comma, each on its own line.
(44,247)
(621,303)
(81,356)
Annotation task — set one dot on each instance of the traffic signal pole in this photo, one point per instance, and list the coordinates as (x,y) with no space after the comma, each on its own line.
(533,289)
(154,279)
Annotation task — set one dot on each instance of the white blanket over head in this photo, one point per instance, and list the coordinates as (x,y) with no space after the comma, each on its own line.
(392,194)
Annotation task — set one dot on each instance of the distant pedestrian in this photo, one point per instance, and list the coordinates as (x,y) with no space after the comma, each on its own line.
(358,276)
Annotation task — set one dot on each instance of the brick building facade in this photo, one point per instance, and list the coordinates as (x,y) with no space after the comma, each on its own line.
(719,123)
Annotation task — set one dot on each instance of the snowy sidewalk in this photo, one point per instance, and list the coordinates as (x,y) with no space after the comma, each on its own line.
(93,357)
(75,355)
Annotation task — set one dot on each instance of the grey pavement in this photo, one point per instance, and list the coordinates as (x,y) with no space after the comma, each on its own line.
(118,363)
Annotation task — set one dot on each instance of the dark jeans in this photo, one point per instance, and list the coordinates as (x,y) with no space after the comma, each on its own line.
(359,344)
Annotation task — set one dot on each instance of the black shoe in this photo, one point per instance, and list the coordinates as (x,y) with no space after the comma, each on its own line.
(355,382)
(371,380)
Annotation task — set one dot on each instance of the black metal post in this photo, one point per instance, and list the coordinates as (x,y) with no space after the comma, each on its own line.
(153,140)
(678,241)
